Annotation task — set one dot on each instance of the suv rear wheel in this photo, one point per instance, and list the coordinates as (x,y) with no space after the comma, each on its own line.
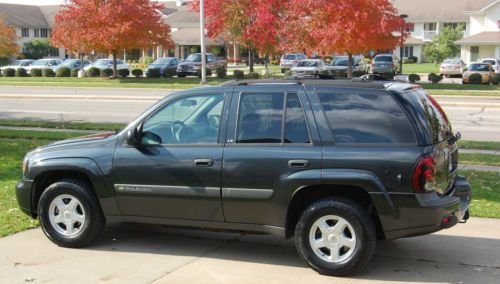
(335,237)
(69,214)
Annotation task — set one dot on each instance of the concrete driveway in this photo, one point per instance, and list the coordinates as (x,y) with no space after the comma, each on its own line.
(467,253)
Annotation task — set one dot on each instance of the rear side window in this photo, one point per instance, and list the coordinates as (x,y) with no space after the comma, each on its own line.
(366,119)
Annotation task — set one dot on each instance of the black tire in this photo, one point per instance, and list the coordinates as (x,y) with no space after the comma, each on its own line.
(95,221)
(361,223)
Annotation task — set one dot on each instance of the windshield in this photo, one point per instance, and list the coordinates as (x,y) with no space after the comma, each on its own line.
(193,58)
(162,61)
(479,67)
(340,61)
(289,57)
(452,61)
(383,59)
(102,62)
(41,62)
(69,62)
(18,63)
(308,63)
(489,61)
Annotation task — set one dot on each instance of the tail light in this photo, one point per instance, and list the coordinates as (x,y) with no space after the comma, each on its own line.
(424,175)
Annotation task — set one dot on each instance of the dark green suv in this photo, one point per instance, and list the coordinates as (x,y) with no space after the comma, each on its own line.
(335,164)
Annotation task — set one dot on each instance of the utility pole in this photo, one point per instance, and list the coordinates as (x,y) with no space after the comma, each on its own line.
(202,43)
(402,44)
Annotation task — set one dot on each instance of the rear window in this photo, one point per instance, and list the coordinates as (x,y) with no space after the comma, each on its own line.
(383,59)
(289,57)
(366,119)
(488,61)
(436,122)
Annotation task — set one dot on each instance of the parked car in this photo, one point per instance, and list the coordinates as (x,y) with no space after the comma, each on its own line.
(45,63)
(386,65)
(452,67)
(106,63)
(191,66)
(484,69)
(339,65)
(495,63)
(308,67)
(290,60)
(163,64)
(73,64)
(333,163)
(19,63)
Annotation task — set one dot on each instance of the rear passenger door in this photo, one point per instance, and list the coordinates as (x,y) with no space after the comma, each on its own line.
(271,139)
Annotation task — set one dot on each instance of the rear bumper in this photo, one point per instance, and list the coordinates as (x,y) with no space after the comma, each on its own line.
(23,195)
(451,72)
(425,213)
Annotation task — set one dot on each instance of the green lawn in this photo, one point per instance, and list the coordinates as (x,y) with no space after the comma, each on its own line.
(483,145)
(62,125)
(479,159)
(420,68)
(485,193)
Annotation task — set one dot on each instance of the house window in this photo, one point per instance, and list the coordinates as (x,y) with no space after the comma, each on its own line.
(454,25)
(430,26)
(474,53)
(44,33)
(37,32)
(25,32)
(408,52)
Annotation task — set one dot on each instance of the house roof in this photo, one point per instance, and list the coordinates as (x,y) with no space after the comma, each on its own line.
(23,15)
(189,36)
(439,10)
(180,16)
(484,38)
(414,41)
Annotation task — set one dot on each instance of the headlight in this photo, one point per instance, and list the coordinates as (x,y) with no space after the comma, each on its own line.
(26,163)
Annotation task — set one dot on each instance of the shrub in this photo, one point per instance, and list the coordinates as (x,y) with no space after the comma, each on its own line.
(47,72)
(123,73)
(35,72)
(253,75)
(414,78)
(169,73)
(74,72)
(93,72)
(239,74)
(475,78)
(434,78)
(63,72)
(9,72)
(137,73)
(106,73)
(495,80)
(21,72)
(154,73)
(209,73)
(357,73)
(146,60)
(221,72)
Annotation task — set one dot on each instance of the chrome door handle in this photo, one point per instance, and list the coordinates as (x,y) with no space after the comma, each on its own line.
(203,162)
(298,163)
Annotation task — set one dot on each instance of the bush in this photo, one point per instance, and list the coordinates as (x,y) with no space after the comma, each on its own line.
(9,72)
(253,75)
(146,60)
(137,73)
(35,72)
(154,73)
(410,60)
(63,72)
(414,78)
(209,73)
(47,72)
(434,78)
(475,79)
(123,73)
(106,73)
(21,72)
(221,72)
(169,73)
(93,72)
(239,74)
(74,72)
(495,80)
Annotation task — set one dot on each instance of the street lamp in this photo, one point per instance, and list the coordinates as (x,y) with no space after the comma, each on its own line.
(202,43)
(401,44)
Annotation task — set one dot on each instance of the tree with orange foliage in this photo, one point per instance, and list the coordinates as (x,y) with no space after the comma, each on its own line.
(110,26)
(351,27)
(8,45)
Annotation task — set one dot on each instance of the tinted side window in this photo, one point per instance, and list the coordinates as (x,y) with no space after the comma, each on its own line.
(366,118)
(295,122)
(260,118)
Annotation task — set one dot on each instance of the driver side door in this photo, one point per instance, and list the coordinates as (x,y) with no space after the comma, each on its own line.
(175,172)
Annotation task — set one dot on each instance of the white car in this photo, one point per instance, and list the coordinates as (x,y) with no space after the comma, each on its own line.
(308,67)
(45,63)
(108,63)
(22,63)
(495,63)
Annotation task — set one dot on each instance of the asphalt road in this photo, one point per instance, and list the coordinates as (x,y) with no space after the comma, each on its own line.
(466,253)
(477,118)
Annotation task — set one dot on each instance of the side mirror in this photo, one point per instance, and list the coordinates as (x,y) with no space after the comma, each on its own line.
(134,136)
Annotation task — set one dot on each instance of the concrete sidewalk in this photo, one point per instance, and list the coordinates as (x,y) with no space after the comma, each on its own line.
(467,253)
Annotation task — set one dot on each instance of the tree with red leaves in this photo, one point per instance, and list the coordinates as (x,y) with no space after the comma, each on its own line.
(110,26)
(8,39)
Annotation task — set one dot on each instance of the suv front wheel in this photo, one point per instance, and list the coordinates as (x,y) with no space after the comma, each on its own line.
(335,237)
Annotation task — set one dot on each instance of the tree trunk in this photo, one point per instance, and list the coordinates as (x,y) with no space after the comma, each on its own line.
(250,59)
(349,65)
(115,71)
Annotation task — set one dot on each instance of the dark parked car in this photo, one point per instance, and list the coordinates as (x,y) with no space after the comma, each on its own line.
(73,64)
(339,65)
(163,64)
(335,164)
(191,66)
(386,65)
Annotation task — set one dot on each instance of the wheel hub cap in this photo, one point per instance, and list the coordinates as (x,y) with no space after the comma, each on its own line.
(67,215)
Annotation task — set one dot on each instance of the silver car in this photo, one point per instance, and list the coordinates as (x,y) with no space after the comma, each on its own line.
(308,67)
(452,67)
(495,63)
(290,60)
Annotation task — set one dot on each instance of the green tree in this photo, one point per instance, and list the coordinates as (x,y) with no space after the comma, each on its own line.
(443,45)
(39,48)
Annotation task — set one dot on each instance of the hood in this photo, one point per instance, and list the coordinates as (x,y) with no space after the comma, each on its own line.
(89,139)
(189,63)
(304,68)
(338,68)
